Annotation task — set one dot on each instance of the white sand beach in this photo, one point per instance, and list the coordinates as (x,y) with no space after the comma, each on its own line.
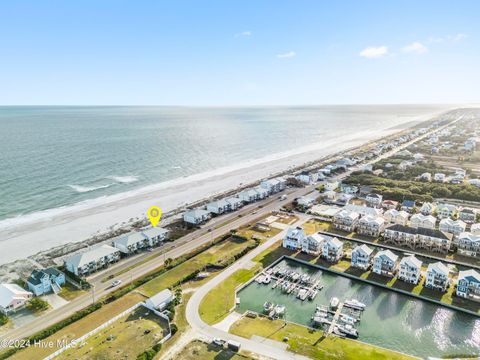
(29,235)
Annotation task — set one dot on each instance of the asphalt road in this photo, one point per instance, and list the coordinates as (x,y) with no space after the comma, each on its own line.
(172,250)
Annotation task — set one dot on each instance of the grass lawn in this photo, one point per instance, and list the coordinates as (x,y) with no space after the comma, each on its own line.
(217,303)
(214,255)
(200,350)
(307,342)
(70,292)
(82,326)
(125,338)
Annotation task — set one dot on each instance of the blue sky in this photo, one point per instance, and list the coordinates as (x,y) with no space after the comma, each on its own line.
(249,52)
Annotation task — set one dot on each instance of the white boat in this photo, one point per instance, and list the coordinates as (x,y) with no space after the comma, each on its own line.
(355,304)
(348,319)
(312,294)
(267,279)
(349,331)
(285,286)
(259,279)
(334,303)
(280,310)
(267,307)
(302,294)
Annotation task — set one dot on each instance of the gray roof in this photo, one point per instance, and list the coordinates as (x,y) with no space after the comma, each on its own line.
(129,239)
(154,232)
(79,260)
(196,213)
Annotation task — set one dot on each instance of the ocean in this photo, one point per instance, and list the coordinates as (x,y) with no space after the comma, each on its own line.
(54,157)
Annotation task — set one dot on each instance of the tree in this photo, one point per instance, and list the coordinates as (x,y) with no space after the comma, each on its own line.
(37,304)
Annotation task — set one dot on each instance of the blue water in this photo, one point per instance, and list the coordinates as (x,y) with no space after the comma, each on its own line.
(58,156)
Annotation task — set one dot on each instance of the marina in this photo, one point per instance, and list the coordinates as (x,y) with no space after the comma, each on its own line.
(380,317)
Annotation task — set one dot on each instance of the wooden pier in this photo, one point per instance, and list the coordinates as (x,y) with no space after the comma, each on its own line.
(335,319)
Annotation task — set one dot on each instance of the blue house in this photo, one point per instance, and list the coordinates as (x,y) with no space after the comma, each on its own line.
(45,281)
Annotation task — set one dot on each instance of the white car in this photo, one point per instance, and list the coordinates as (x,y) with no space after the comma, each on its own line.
(116,282)
(218,342)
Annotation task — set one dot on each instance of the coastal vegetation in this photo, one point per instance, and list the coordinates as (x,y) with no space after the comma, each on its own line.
(400,190)
(37,304)
(200,350)
(308,342)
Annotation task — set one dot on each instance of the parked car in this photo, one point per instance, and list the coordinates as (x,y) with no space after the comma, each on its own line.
(116,282)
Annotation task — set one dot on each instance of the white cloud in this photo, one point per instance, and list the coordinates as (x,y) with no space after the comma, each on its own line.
(286,55)
(415,47)
(448,38)
(457,37)
(244,33)
(372,52)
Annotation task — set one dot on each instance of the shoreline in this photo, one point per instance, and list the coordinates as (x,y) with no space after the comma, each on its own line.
(122,210)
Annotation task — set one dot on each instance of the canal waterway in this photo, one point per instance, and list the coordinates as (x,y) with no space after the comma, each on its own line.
(391,320)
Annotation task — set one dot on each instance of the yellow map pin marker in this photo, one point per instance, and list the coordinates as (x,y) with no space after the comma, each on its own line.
(154,214)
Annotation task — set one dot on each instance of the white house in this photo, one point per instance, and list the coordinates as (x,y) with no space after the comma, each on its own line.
(313,244)
(374,199)
(346,220)
(159,301)
(235,203)
(446,210)
(423,221)
(364,210)
(468,285)
(332,249)
(385,263)
(196,216)
(131,243)
(468,244)
(362,257)
(294,238)
(437,276)
(455,227)
(92,260)
(475,229)
(219,207)
(307,178)
(371,225)
(274,185)
(12,298)
(262,193)
(155,235)
(439,177)
(427,208)
(426,176)
(396,217)
(410,269)
(331,185)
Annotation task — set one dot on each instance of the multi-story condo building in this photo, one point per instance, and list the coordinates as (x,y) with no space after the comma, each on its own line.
(437,276)
(455,227)
(371,225)
(468,244)
(385,263)
(332,249)
(423,221)
(446,210)
(92,260)
(362,257)
(468,285)
(418,238)
(410,269)
(396,217)
(346,220)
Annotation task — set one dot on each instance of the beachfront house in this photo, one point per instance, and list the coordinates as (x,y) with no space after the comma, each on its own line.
(131,243)
(374,200)
(332,249)
(446,210)
(307,178)
(437,276)
(346,220)
(160,301)
(439,177)
(468,285)
(92,260)
(385,263)
(262,193)
(248,195)
(362,257)
(313,244)
(235,203)
(331,185)
(45,281)
(467,215)
(410,269)
(13,298)
(427,208)
(348,189)
(294,238)
(218,207)
(468,244)
(274,185)
(371,225)
(455,227)
(423,221)
(394,216)
(155,235)
(196,216)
